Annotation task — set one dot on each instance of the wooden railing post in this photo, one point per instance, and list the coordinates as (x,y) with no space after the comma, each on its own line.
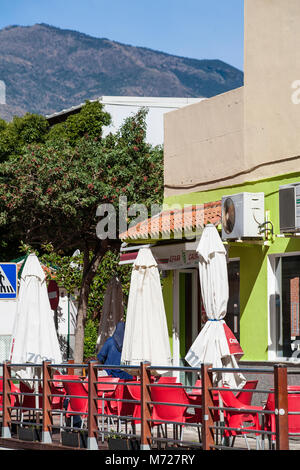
(208,440)
(6,411)
(281,407)
(92,420)
(145,407)
(46,403)
(70,370)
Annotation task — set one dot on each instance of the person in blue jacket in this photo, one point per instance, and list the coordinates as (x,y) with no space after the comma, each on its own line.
(111,351)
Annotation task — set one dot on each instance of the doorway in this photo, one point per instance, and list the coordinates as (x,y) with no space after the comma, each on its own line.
(233,307)
(186,317)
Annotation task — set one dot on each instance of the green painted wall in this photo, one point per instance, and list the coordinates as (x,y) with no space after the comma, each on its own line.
(253,261)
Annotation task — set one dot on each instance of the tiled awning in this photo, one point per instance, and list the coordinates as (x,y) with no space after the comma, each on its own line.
(168,223)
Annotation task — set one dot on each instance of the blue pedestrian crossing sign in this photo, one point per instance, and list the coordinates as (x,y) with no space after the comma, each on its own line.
(8,281)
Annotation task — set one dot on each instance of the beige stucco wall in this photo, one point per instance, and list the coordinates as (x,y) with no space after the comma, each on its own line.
(272,64)
(203,143)
(249,133)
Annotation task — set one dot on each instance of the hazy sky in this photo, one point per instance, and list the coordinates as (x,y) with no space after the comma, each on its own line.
(201,29)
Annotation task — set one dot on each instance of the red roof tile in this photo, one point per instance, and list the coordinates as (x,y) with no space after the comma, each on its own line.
(174,221)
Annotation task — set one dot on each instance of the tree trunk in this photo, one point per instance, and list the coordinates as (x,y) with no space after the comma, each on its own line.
(89,272)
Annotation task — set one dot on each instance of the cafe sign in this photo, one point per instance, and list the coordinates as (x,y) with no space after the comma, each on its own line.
(179,256)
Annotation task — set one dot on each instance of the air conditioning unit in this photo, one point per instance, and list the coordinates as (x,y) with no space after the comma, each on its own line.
(289,208)
(242,215)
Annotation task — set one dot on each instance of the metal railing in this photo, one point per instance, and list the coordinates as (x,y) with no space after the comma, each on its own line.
(104,416)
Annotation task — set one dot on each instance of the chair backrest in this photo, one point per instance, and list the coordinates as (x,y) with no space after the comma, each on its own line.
(122,392)
(59,380)
(169,395)
(13,398)
(135,390)
(167,380)
(294,405)
(29,401)
(246,397)
(109,384)
(75,391)
(197,384)
(229,399)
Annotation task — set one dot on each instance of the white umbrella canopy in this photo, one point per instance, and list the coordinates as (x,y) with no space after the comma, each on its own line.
(212,346)
(112,312)
(146,333)
(34,338)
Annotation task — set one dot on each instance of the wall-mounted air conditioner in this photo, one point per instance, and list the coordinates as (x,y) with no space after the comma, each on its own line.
(242,215)
(289,208)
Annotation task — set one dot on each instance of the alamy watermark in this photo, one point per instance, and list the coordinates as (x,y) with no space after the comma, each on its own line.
(160,221)
(2,92)
(295,97)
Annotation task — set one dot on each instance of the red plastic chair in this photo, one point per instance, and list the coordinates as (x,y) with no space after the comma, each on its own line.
(167,380)
(238,418)
(106,389)
(13,398)
(196,388)
(28,400)
(246,397)
(57,389)
(118,409)
(293,406)
(78,398)
(172,413)
(135,394)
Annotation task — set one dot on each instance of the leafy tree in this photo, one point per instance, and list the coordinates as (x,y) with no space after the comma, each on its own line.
(3,125)
(88,122)
(51,192)
(22,131)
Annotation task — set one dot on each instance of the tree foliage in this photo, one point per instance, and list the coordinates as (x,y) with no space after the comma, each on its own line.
(50,191)
(28,129)
(89,122)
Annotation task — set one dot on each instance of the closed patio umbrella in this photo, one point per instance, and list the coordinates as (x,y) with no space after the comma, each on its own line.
(34,338)
(112,312)
(215,343)
(146,333)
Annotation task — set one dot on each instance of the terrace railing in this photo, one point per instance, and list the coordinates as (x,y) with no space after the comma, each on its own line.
(101,426)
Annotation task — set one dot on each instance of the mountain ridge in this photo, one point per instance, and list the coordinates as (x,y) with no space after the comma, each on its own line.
(69,67)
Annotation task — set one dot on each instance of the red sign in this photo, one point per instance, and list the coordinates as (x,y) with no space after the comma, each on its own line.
(233,344)
(53,293)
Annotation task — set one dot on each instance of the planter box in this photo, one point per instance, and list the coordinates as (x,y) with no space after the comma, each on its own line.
(29,434)
(123,444)
(74,439)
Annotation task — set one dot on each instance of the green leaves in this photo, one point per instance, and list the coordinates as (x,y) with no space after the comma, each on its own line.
(21,131)
(87,123)
(50,190)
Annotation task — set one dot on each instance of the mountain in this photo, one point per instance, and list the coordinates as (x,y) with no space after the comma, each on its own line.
(46,69)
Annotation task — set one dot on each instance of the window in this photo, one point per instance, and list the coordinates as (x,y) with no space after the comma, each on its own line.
(287,301)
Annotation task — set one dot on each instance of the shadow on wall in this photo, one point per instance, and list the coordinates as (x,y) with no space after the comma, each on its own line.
(251,264)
